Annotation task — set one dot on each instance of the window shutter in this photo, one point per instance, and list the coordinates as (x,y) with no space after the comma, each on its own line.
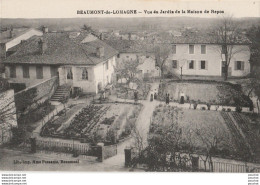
(199,64)
(235,65)
(194,64)
(177,64)
(242,65)
(188,64)
(206,65)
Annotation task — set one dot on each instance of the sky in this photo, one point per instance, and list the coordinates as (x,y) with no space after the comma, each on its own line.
(68,8)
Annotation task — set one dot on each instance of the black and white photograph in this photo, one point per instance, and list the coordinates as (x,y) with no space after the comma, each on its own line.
(129,86)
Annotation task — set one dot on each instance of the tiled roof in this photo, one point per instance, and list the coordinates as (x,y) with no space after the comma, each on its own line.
(131,46)
(61,50)
(197,37)
(5,36)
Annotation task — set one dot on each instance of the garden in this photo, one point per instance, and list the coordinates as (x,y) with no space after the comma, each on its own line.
(106,123)
(128,93)
(194,131)
(205,92)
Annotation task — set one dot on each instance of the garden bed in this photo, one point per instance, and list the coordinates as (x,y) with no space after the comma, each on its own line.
(142,92)
(94,123)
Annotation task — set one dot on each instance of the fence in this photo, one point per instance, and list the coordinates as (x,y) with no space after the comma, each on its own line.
(80,148)
(229,167)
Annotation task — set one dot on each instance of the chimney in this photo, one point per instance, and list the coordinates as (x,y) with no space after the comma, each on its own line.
(43,46)
(11,33)
(100,52)
(45,29)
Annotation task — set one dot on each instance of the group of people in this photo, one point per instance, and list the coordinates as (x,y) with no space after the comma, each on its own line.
(153,95)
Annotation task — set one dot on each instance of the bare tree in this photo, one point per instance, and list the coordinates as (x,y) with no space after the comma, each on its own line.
(213,139)
(162,52)
(228,37)
(127,69)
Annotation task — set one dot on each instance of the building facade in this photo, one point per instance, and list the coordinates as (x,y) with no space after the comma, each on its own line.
(79,60)
(208,60)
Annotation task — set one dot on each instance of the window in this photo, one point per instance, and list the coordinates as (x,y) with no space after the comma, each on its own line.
(239,65)
(191,49)
(174,64)
(147,56)
(39,72)
(127,56)
(69,74)
(203,49)
(53,71)
(106,65)
(224,49)
(202,64)
(26,73)
(174,49)
(118,55)
(191,64)
(84,74)
(12,72)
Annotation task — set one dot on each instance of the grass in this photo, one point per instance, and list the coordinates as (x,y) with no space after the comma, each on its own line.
(204,92)
(209,124)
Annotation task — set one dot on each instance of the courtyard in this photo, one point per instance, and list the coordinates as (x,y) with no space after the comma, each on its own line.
(206,92)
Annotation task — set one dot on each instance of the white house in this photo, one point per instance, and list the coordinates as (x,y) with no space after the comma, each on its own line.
(201,56)
(79,59)
(130,50)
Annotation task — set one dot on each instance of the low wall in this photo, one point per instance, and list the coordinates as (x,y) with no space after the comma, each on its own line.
(33,94)
(109,151)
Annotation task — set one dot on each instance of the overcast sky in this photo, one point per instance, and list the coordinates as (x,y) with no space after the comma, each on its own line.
(68,8)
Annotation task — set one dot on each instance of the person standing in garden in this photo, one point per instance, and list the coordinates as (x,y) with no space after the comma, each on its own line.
(167,98)
(151,97)
(136,97)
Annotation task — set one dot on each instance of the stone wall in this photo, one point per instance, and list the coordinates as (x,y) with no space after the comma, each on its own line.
(38,92)
(8,117)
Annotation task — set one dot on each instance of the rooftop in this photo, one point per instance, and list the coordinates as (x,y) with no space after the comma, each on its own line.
(62,48)
(5,36)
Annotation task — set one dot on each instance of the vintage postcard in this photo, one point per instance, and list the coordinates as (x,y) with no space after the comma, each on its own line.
(130,86)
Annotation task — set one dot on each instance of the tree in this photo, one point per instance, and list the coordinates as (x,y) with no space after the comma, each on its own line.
(127,69)
(87,28)
(254,88)
(213,140)
(162,52)
(228,35)
(254,36)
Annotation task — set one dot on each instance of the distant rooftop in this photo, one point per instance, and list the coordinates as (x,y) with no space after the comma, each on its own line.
(5,36)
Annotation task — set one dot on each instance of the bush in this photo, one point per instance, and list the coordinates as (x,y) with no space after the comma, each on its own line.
(238,109)
(203,108)
(229,110)
(223,109)
(195,105)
